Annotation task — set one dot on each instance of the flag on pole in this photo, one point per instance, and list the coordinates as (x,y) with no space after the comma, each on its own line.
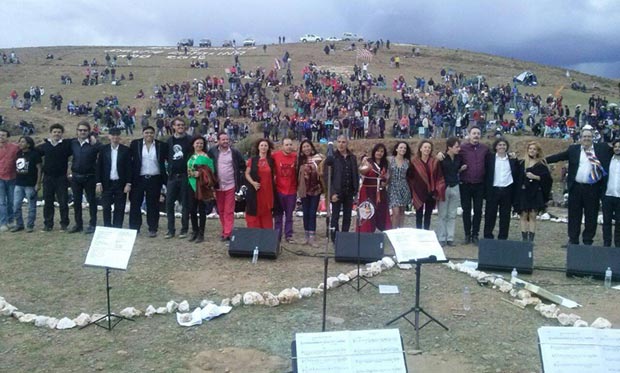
(276,65)
(363,54)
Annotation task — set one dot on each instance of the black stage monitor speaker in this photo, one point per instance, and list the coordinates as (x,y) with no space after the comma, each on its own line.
(243,241)
(504,255)
(370,249)
(583,260)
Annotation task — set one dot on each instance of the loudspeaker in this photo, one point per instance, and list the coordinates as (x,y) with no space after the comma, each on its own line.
(243,241)
(584,260)
(504,255)
(371,247)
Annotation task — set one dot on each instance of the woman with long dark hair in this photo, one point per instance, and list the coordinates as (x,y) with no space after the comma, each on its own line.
(259,173)
(373,212)
(426,183)
(399,194)
(309,187)
(201,179)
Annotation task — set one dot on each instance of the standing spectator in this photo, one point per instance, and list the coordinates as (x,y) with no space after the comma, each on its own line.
(374,171)
(426,183)
(148,173)
(399,194)
(611,199)
(8,156)
(501,172)
(179,147)
(451,166)
(473,154)
(230,171)
(586,181)
(286,188)
(27,183)
(309,187)
(533,188)
(114,179)
(345,183)
(259,173)
(56,153)
(201,179)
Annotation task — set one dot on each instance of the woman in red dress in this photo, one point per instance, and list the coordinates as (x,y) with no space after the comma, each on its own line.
(259,174)
(426,183)
(373,192)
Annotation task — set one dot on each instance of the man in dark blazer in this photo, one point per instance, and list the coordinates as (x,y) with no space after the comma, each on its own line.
(588,164)
(114,179)
(148,173)
(500,176)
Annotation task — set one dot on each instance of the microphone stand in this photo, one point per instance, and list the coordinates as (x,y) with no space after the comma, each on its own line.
(328,231)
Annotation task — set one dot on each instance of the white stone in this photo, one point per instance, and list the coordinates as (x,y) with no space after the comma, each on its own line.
(131,312)
(28,318)
(291,295)
(236,300)
(161,310)
(98,316)
(205,302)
(305,292)
(474,273)
(451,265)
(532,301)
(172,306)
(549,311)
(65,323)
(332,282)
(506,287)
(2,303)
(17,314)
(482,276)
(545,216)
(601,323)
(522,294)
(51,323)
(373,269)
(565,320)
(343,278)
(388,262)
(82,319)
(520,302)
(225,302)
(353,273)
(8,309)
(317,291)
(252,297)
(183,306)
(580,324)
(270,299)
(150,311)
(498,281)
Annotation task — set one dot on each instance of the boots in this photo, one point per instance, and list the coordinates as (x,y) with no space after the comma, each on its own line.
(201,236)
(531,236)
(525,236)
(193,236)
(312,239)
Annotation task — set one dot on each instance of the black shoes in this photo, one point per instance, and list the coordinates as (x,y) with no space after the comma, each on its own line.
(75,229)
(89,230)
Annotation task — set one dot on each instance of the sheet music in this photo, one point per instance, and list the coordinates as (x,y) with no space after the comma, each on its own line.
(111,248)
(411,244)
(362,351)
(579,350)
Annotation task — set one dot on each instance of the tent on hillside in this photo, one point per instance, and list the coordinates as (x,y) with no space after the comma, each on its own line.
(526,78)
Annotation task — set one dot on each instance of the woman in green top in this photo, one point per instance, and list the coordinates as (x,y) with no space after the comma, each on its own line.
(197,166)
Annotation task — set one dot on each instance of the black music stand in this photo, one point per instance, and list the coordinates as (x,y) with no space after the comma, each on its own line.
(357,286)
(417,309)
(109,315)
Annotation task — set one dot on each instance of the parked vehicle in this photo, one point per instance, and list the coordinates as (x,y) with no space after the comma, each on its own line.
(348,36)
(332,39)
(227,44)
(186,42)
(310,38)
(249,42)
(205,43)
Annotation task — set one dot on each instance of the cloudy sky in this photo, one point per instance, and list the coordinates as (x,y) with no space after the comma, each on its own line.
(579,34)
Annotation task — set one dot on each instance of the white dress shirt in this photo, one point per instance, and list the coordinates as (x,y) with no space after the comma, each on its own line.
(613,183)
(585,167)
(114,157)
(150,164)
(503,174)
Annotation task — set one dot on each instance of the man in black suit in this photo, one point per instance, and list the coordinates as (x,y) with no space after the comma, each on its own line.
(114,179)
(587,165)
(500,174)
(149,175)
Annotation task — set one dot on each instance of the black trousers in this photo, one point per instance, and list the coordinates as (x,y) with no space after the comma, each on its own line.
(114,195)
(176,190)
(583,202)
(198,210)
(611,210)
(472,195)
(424,213)
(344,204)
(80,185)
(149,189)
(55,187)
(500,198)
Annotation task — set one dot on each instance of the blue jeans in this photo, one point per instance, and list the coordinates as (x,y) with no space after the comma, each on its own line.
(29,193)
(309,206)
(7,214)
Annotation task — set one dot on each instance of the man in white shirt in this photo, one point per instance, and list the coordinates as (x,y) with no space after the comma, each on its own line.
(611,199)
(499,177)
(113,179)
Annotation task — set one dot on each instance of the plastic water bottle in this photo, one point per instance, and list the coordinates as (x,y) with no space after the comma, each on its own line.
(514,274)
(255,255)
(608,278)
(466,299)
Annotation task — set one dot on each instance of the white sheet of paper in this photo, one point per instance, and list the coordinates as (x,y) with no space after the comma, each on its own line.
(371,351)
(579,350)
(388,289)
(410,244)
(111,248)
